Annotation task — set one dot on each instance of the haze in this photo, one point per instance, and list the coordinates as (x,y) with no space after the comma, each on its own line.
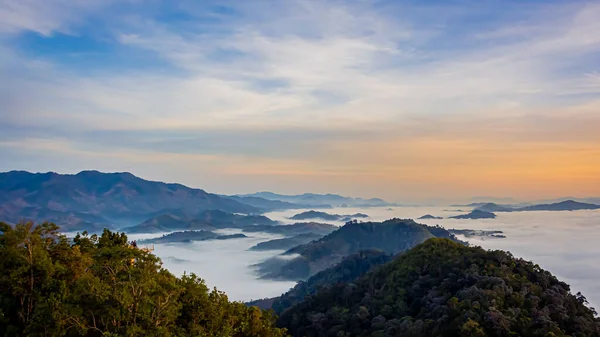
(565,243)
(395,99)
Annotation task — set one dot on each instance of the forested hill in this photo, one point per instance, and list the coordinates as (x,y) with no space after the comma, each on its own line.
(350,268)
(441,288)
(391,236)
(98,286)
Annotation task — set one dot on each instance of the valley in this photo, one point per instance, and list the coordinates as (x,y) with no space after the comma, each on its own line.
(538,236)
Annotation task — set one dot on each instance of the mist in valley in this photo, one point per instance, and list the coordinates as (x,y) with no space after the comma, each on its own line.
(565,243)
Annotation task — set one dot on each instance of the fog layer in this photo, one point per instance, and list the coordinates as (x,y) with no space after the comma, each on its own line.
(565,243)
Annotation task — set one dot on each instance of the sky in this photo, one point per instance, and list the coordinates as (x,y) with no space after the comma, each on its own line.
(405,100)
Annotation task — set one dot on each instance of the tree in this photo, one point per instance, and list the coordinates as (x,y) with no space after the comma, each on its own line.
(53,286)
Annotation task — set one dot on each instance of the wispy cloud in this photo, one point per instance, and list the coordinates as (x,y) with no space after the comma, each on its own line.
(46,17)
(375,90)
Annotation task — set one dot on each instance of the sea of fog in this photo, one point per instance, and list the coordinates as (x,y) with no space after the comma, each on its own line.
(565,243)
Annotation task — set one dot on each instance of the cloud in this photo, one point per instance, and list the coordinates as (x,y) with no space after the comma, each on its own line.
(46,17)
(369,91)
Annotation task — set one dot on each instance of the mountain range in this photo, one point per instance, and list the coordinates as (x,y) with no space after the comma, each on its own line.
(310,199)
(190,236)
(206,220)
(91,200)
(566,205)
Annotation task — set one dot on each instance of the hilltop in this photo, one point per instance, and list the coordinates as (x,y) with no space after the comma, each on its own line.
(206,220)
(475,214)
(308,215)
(430,217)
(390,236)
(441,288)
(190,236)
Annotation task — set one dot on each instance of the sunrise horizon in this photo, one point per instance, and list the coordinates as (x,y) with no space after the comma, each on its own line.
(397,100)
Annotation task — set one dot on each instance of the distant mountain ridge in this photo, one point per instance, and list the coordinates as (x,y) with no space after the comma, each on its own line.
(206,220)
(190,236)
(475,214)
(567,205)
(334,200)
(91,200)
(308,215)
(273,205)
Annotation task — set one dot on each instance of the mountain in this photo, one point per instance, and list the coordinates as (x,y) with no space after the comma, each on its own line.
(441,288)
(308,215)
(92,200)
(286,243)
(390,236)
(298,228)
(475,214)
(335,200)
(430,217)
(189,236)
(72,220)
(491,207)
(589,200)
(350,268)
(206,220)
(567,205)
(268,205)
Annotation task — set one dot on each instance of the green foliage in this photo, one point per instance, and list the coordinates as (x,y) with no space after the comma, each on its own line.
(349,269)
(100,286)
(442,288)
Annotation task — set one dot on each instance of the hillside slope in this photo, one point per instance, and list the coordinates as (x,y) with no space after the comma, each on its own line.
(390,236)
(101,286)
(206,220)
(112,199)
(441,288)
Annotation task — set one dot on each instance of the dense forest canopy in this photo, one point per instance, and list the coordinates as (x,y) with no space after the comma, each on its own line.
(347,270)
(443,288)
(100,286)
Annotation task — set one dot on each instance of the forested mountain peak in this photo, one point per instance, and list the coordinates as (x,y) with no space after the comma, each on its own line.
(442,288)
